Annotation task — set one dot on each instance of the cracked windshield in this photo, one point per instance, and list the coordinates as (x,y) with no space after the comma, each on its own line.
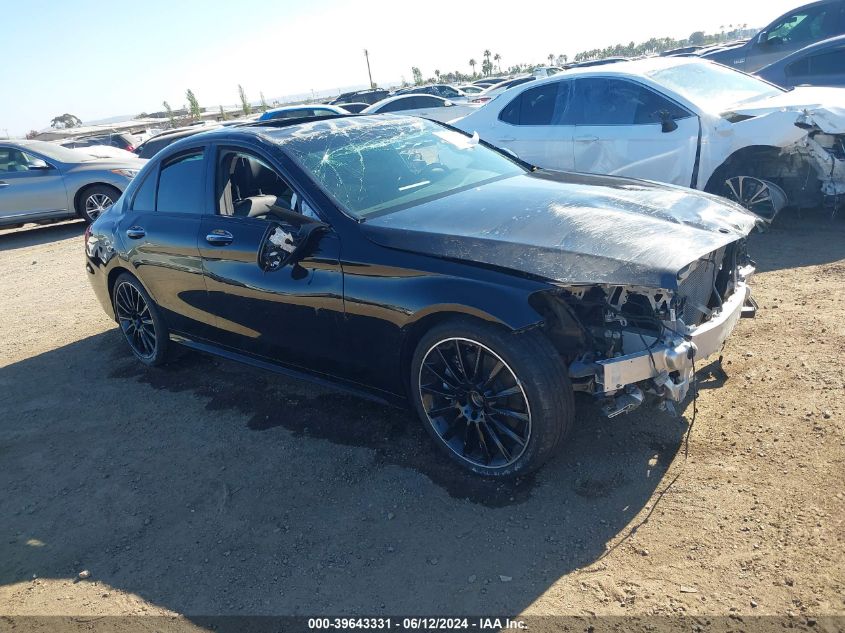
(374,169)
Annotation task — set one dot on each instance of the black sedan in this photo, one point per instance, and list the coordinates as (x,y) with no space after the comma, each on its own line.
(410,262)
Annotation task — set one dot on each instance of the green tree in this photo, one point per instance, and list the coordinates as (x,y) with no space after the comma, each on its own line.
(244,101)
(551,58)
(223,116)
(32,134)
(498,59)
(472,63)
(417,73)
(264,106)
(437,74)
(193,105)
(696,38)
(170,116)
(65,121)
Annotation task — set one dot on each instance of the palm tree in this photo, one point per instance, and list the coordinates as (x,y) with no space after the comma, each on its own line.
(551,58)
(472,63)
(437,74)
(498,60)
(565,58)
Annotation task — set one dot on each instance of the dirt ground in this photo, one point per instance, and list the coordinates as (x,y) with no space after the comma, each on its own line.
(205,487)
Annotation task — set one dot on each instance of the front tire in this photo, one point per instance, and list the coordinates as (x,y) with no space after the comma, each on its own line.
(94,200)
(498,403)
(140,321)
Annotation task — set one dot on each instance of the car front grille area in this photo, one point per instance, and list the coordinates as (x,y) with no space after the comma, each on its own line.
(699,290)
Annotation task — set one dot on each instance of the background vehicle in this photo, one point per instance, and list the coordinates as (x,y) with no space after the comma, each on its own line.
(427,106)
(438,90)
(156,143)
(546,71)
(121,140)
(470,89)
(679,120)
(301,111)
(794,30)
(496,89)
(354,107)
(352,249)
(820,64)
(357,96)
(42,181)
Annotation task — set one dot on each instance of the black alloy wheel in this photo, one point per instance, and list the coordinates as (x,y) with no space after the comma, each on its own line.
(139,320)
(475,403)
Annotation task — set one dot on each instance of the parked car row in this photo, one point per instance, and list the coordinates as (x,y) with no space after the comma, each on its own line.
(681,121)
(42,181)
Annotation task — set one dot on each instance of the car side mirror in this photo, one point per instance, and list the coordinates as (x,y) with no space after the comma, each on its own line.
(288,242)
(667,122)
(38,164)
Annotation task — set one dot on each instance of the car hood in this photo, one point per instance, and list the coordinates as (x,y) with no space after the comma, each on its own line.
(819,105)
(569,228)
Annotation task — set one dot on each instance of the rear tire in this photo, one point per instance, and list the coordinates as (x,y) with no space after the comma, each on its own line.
(498,403)
(140,321)
(94,200)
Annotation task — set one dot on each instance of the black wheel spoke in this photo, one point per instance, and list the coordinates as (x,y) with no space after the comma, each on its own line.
(453,428)
(498,442)
(433,413)
(446,362)
(483,443)
(505,393)
(460,360)
(506,430)
(477,366)
(436,391)
(522,417)
(493,373)
(441,377)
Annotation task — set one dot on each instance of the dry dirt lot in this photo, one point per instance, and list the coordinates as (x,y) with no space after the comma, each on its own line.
(206,487)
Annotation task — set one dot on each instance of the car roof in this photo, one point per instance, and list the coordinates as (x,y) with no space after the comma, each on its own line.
(278,131)
(406,95)
(304,106)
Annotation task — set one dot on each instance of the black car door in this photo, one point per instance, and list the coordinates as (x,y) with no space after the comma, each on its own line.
(292,313)
(159,231)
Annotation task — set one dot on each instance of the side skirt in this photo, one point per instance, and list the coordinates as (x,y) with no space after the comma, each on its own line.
(355,389)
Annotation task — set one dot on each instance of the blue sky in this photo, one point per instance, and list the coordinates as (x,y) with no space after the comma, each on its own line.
(101,59)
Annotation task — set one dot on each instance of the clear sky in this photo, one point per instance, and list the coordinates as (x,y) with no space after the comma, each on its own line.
(99,59)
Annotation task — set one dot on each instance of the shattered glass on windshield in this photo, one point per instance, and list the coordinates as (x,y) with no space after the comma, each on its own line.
(374,166)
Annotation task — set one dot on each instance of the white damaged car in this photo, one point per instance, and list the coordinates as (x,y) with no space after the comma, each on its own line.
(678,120)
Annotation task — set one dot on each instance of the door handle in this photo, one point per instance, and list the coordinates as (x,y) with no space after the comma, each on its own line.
(3,184)
(219,237)
(135,232)
(586,139)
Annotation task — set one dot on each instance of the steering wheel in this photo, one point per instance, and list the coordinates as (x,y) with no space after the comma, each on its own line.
(434,171)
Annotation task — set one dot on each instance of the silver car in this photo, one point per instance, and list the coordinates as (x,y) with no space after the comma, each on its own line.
(42,181)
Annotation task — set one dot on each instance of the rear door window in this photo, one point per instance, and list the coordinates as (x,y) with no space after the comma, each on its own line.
(181,184)
(832,63)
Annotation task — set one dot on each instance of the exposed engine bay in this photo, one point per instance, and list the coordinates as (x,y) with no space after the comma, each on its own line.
(639,341)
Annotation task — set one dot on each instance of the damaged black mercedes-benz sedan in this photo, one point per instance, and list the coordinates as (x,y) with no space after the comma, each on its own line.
(401,258)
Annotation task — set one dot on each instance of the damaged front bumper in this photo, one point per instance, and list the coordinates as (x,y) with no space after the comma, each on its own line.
(665,367)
